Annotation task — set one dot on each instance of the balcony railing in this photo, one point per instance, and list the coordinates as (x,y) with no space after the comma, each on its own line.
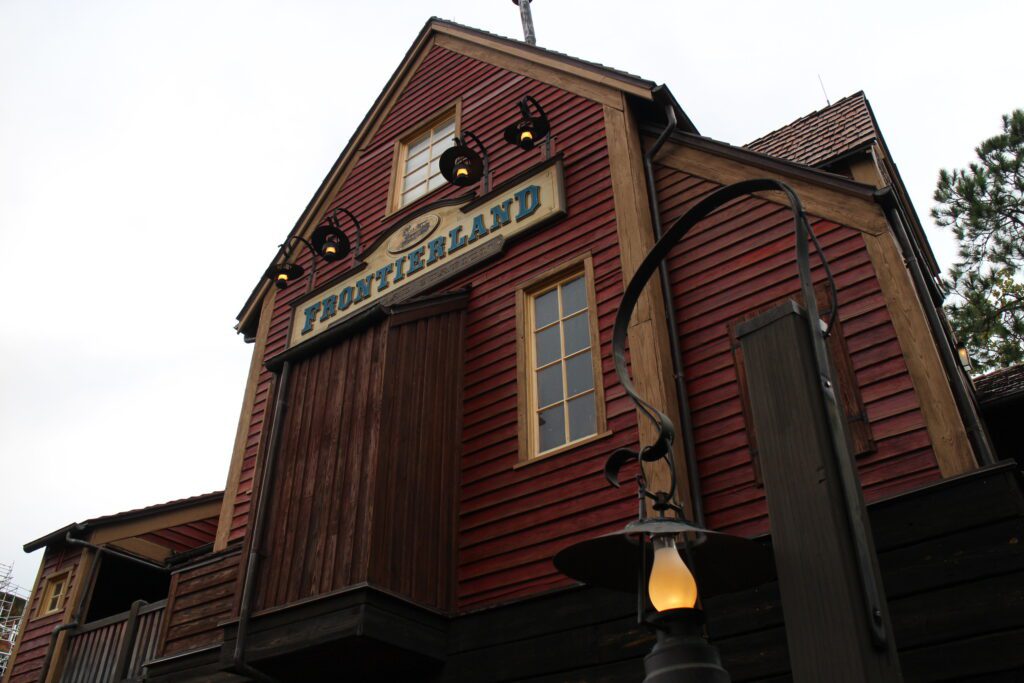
(114,649)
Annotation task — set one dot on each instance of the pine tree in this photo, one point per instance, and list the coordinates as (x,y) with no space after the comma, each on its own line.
(984,207)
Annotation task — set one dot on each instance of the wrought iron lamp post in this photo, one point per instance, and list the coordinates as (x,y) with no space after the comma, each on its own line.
(720,562)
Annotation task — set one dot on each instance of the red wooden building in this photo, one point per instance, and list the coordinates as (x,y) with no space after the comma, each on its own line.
(425,421)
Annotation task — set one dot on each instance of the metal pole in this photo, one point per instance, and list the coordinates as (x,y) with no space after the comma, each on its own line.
(524,13)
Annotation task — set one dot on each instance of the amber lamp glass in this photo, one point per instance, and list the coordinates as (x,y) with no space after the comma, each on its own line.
(671,585)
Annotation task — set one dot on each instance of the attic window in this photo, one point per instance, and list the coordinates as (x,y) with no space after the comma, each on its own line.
(417,157)
(53,594)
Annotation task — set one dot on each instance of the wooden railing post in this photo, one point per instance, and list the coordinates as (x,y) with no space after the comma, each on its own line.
(124,653)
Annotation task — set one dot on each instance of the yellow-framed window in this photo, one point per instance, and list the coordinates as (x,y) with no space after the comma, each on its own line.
(560,362)
(54,592)
(417,163)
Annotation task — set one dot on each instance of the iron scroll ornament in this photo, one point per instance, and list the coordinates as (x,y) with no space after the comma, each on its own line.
(661,448)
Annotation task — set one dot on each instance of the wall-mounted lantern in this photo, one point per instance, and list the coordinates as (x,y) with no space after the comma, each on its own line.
(530,129)
(463,166)
(328,242)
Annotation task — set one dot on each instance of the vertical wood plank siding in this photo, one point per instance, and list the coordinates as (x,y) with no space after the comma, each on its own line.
(36,637)
(511,521)
(740,259)
(200,598)
(147,636)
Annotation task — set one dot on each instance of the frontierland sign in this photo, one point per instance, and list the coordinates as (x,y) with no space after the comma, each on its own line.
(433,247)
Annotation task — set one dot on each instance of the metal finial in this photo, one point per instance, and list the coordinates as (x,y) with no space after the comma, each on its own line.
(524,13)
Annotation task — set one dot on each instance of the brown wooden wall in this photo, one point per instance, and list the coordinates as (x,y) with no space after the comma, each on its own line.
(35,637)
(200,597)
(417,477)
(366,481)
(740,260)
(511,520)
(316,537)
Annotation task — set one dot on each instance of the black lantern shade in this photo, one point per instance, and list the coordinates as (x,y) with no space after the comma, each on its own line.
(282,274)
(461,166)
(329,242)
(528,130)
(722,563)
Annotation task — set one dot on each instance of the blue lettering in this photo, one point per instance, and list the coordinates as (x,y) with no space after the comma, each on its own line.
(478,228)
(436,247)
(528,200)
(399,269)
(382,277)
(330,305)
(363,288)
(416,260)
(346,298)
(310,312)
(458,240)
(501,214)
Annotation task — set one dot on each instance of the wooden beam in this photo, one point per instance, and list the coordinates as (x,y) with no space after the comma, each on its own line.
(855,212)
(558,77)
(945,426)
(535,59)
(227,510)
(144,548)
(155,522)
(650,351)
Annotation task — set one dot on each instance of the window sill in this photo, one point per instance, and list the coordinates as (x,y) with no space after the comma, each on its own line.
(563,449)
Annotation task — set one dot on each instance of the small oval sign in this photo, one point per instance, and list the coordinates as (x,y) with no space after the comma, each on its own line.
(413,232)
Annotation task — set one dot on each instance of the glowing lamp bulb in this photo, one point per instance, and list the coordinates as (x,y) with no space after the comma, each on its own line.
(330,250)
(461,172)
(282,277)
(526,135)
(671,585)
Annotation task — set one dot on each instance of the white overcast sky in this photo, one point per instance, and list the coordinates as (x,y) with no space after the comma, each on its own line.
(153,154)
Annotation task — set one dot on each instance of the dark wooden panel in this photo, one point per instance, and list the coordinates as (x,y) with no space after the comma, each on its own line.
(415,496)
(201,596)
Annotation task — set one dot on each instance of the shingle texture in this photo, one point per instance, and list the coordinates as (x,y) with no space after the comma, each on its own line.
(1000,385)
(822,135)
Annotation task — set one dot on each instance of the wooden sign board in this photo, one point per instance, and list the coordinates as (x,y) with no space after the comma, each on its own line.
(433,247)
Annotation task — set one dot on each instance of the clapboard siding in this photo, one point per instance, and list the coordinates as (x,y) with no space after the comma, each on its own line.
(491,565)
(35,639)
(201,596)
(487,95)
(185,536)
(742,259)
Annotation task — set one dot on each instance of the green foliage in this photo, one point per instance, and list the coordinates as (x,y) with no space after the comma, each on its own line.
(984,207)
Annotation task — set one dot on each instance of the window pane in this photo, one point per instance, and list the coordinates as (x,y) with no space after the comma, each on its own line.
(552,428)
(574,296)
(414,162)
(579,374)
(577,333)
(418,145)
(549,385)
(549,347)
(416,177)
(582,417)
(435,182)
(413,194)
(444,133)
(545,309)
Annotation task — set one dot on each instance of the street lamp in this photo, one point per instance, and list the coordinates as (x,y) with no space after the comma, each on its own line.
(711,563)
(327,242)
(463,166)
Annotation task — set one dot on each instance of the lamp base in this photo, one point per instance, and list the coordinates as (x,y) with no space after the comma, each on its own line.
(682,655)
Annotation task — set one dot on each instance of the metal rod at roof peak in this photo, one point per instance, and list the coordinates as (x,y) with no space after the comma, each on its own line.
(524,13)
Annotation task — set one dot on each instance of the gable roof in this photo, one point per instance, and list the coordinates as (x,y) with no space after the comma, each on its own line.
(603,77)
(120,517)
(823,135)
